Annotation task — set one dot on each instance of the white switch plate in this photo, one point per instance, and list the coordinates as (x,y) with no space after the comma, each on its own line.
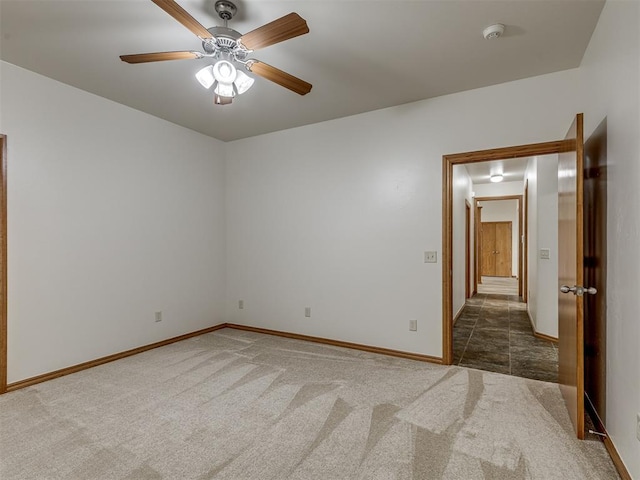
(545,253)
(307,312)
(638,426)
(430,257)
(413,325)
(240,304)
(158,316)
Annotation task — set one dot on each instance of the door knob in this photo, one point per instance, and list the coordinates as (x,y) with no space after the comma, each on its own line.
(578,290)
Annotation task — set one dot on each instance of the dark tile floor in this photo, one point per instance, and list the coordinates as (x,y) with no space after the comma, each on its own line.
(494,333)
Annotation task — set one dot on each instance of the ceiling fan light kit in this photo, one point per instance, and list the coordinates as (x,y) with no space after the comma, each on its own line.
(230,50)
(243,82)
(218,100)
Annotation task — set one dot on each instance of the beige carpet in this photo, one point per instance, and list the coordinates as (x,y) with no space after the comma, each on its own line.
(238,405)
(498,285)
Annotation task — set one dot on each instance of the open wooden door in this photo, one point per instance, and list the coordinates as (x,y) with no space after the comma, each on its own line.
(571,277)
(595,273)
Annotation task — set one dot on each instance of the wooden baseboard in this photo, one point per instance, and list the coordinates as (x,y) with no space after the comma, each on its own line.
(608,443)
(109,358)
(542,336)
(117,356)
(340,343)
(455,319)
(539,335)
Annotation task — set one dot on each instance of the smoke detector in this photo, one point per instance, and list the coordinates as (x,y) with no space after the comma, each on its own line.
(493,31)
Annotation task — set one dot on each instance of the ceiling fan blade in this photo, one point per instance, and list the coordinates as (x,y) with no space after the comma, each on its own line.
(181,15)
(158,57)
(279,30)
(283,79)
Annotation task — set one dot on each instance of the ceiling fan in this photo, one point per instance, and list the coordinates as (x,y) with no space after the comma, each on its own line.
(229,48)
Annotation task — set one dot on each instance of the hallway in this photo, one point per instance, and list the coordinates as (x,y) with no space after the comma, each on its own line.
(494,333)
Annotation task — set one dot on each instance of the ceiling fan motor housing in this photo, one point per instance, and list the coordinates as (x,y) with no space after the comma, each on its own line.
(226,9)
(225,41)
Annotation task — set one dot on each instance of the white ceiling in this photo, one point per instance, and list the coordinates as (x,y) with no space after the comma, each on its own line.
(512,169)
(360,55)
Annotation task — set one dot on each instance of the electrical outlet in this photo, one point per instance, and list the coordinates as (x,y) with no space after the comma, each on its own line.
(158,317)
(413,325)
(240,304)
(307,312)
(638,426)
(430,257)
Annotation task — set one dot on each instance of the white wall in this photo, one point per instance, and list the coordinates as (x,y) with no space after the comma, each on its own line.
(547,237)
(504,211)
(542,174)
(610,81)
(531,176)
(498,189)
(337,215)
(461,196)
(112,215)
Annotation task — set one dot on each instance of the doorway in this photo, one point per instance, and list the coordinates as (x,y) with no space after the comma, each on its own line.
(449,161)
(498,208)
(570,316)
(493,331)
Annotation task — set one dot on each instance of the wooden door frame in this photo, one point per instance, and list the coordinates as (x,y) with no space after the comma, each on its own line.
(520,253)
(525,243)
(467,250)
(448,162)
(3,263)
(477,245)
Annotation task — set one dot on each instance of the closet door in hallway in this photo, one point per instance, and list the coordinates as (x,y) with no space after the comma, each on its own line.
(495,241)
